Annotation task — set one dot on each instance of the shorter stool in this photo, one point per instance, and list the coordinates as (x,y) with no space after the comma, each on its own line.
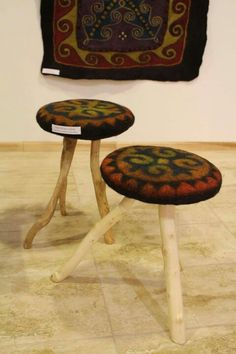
(157,175)
(81,119)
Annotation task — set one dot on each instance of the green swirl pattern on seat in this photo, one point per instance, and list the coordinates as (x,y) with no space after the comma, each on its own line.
(161,175)
(97,119)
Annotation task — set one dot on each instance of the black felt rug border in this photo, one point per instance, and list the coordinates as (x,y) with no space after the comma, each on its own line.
(187,70)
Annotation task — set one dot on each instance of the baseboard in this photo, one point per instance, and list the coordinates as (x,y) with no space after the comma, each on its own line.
(47,146)
(40,146)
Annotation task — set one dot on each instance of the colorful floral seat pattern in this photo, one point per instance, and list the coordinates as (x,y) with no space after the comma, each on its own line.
(93,119)
(161,175)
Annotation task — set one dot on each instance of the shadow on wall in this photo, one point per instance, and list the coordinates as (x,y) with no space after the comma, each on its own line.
(86,88)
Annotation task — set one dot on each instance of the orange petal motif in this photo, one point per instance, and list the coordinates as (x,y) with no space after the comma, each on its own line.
(212,183)
(116,178)
(167,191)
(149,190)
(185,189)
(131,185)
(201,186)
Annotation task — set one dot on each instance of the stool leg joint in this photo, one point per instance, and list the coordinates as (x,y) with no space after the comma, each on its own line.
(94,234)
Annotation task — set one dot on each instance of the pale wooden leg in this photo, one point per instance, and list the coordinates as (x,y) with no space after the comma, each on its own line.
(172,273)
(62,199)
(68,152)
(62,196)
(95,233)
(99,186)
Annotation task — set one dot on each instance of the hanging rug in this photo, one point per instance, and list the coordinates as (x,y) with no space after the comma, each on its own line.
(124,39)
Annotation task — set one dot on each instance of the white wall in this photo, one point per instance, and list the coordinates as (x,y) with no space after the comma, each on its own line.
(201,110)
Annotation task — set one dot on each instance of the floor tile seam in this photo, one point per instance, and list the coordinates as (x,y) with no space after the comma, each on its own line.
(72,175)
(33,185)
(203,266)
(185,295)
(215,326)
(197,223)
(31,217)
(20,199)
(7,347)
(185,266)
(221,272)
(217,204)
(7,249)
(193,315)
(227,228)
(146,282)
(103,272)
(8,338)
(76,184)
(23,225)
(200,223)
(208,264)
(14,340)
(26,223)
(191,328)
(219,218)
(144,333)
(105,302)
(225,224)
(9,231)
(16,246)
(134,335)
(54,340)
(229,185)
(227,263)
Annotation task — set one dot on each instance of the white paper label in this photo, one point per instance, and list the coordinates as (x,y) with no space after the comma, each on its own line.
(66,130)
(50,71)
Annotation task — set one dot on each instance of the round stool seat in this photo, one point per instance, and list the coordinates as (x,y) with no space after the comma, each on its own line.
(161,175)
(85,119)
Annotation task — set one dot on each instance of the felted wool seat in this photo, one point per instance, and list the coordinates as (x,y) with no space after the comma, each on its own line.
(82,119)
(161,175)
(85,119)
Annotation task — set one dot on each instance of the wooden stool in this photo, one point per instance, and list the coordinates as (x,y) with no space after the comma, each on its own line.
(157,175)
(86,120)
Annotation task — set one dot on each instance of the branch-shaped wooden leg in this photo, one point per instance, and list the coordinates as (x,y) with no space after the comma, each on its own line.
(95,233)
(68,152)
(62,199)
(99,186)
(62,196)
(172,273)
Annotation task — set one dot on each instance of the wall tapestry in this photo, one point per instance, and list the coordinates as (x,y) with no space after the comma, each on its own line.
(124,39)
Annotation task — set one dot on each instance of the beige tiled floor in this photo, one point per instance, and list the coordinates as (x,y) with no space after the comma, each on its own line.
(115,302)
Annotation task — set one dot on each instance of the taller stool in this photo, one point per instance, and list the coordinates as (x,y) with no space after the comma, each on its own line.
(85,120)
(158,175)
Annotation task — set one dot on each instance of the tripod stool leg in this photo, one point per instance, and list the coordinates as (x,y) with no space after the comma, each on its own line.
(172,273)
(67,156)
(99,186)
(94,234)
(62,199)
